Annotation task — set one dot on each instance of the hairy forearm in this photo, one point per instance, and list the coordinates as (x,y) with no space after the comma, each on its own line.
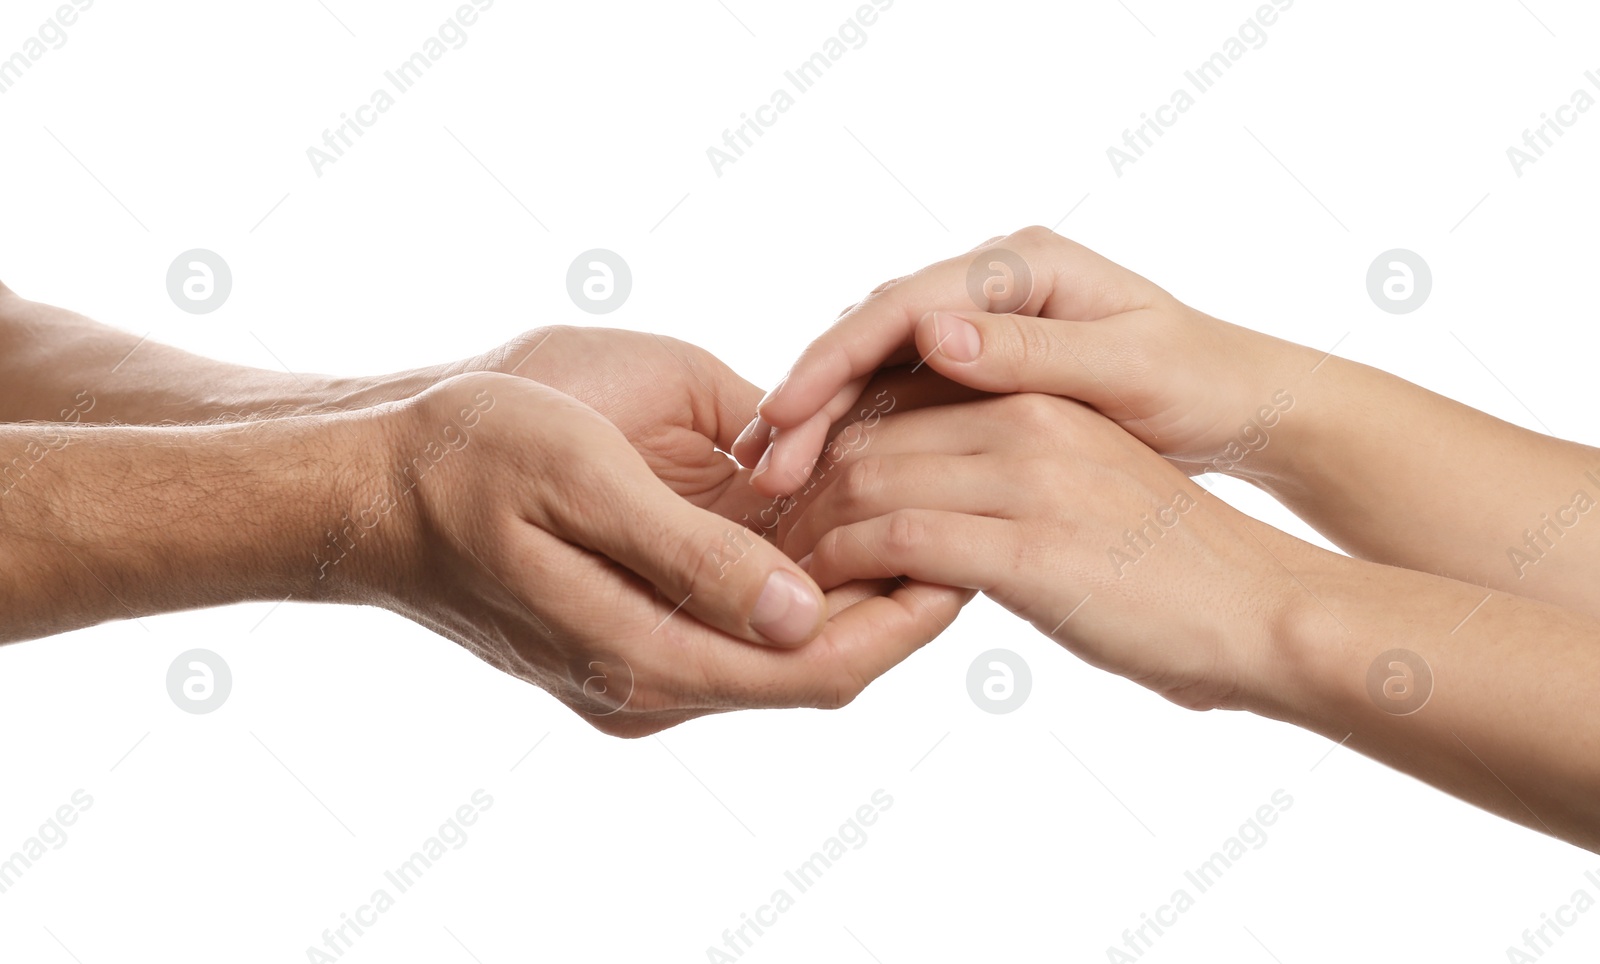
(1393,473)
(59,366)
(101,523)
(1505,720)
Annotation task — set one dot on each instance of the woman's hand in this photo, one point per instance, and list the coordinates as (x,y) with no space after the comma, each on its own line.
(1035,312)
(1069,522)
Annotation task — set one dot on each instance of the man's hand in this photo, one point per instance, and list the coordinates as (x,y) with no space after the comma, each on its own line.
(526,527)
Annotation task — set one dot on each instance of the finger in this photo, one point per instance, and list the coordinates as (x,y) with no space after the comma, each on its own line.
(857,646)
(899,389)
(787,462)
(789,458)
(936,430)
(721,401)
(715,570)
(877,484)
(945,548)
(861,342)
(1044,273)
(1091,361)
(759,434)
(752,442)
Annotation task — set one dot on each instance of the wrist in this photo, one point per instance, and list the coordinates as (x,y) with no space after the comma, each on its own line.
(1299,675)
(369,391)
(365,552)
(1280,628)
(1283,412)
(408,460)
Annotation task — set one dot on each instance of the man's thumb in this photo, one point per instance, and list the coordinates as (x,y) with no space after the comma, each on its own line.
(711,568)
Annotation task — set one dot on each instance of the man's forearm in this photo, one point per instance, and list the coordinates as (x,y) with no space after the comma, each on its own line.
(59,366)
(1391,472)
(1485,695)
(100,523)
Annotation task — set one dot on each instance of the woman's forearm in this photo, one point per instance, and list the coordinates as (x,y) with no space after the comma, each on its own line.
(1396,474)
(1482,694)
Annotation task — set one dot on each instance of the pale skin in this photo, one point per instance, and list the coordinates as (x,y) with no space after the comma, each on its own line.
(1218,610)
(559,506)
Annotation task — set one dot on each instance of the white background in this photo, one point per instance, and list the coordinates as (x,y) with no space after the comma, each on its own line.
(351,735)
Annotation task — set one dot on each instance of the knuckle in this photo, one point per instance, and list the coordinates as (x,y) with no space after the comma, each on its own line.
(1034,234)
(841,690)
(700,560)
(860,482)
(1033,347)
(885,286)
(827,548)
(518,349)
(906,533)
(1030,412)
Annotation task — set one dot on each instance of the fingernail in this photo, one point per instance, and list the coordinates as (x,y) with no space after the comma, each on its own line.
(958,340)
(756,426)
(775,390)
(761,466)
(786,610)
